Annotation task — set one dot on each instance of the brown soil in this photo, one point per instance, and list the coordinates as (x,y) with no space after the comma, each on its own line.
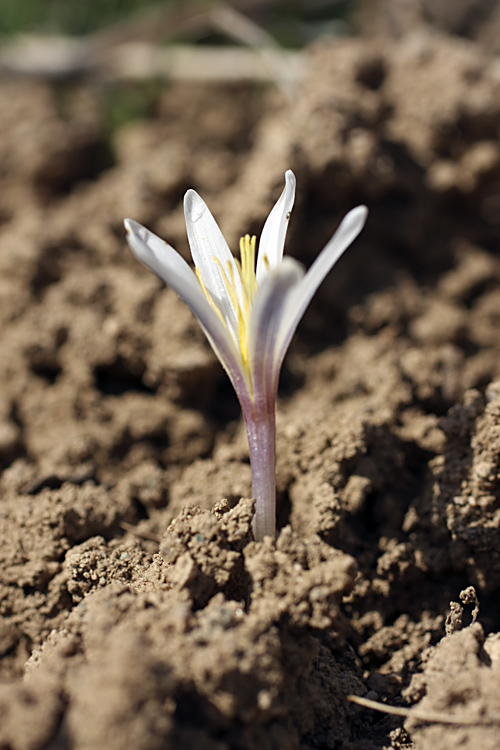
(130,587)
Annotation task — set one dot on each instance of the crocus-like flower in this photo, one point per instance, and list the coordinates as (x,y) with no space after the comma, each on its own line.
(249,312)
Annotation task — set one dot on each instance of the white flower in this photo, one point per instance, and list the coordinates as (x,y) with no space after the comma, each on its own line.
(249,311)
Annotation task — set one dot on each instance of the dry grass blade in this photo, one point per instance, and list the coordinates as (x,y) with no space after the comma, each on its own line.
(431,717)
(244,30)
(130,50)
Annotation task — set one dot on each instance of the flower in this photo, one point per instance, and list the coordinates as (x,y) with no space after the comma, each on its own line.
(248,310)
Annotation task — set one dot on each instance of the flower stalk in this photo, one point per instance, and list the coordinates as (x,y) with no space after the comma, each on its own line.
(249,310)
(261,432)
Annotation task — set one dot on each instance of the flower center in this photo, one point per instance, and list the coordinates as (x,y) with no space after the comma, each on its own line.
(241,290)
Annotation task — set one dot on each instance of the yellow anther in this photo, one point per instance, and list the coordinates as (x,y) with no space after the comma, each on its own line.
(241,295)
(247,253)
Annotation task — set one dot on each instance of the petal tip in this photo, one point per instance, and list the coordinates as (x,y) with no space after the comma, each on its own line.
(361,211)
(356,218)
(290,180)
(194,206)
(130,225)
(291,269)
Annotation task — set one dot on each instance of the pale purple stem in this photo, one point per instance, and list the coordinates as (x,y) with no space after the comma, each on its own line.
(261,432)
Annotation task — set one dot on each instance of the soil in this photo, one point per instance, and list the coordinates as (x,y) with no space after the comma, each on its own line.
(136,611)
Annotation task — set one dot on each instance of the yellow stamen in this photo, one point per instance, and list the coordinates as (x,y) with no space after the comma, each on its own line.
(207,294)
(247,253)
(242,303)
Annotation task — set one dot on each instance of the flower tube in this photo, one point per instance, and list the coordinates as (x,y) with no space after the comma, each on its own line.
(249,310)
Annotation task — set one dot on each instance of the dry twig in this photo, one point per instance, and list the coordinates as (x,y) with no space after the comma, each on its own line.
(431,717)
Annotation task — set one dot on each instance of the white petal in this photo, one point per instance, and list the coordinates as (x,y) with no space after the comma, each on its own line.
(207,242)
(171,267)
(272,239)
(269,308)
(161,258)
(350,227)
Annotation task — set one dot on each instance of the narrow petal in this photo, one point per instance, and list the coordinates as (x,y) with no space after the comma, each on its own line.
(272,239)
(270,306)
(207,242)
(350,227)
(162,259)
(166,262)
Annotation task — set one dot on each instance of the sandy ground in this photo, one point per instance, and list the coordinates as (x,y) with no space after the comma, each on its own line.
(136,611)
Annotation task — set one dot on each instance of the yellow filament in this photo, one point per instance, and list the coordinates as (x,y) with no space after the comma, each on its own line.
(243,306)
(207,294)
(247,253)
